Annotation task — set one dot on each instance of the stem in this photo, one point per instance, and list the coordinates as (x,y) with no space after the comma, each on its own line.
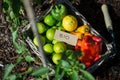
(30,14)
(34,28)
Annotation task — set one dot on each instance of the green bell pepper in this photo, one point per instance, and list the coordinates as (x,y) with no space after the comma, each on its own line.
(59,11)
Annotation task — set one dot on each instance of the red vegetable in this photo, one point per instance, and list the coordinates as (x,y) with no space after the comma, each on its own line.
(91,47)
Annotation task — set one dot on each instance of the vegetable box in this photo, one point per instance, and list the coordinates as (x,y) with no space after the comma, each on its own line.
(94,48)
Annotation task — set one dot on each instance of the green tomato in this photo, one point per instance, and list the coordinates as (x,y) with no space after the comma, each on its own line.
(56,57)
(35,41)
(50,34)
(49,20)
(41,27)
(59,47)
(48,48)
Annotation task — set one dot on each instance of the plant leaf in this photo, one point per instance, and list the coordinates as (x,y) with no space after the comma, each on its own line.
(12,15)
(65,65)
(40,71)
(19,59)
(8,69)
(30,69)
(38,79)
(29,58)
(81,66)
(87,75)
(12,77)
(74,75)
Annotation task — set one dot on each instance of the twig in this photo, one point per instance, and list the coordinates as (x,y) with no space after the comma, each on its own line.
(30,14)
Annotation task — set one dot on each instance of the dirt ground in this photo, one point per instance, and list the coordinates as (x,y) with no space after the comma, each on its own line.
(91,9)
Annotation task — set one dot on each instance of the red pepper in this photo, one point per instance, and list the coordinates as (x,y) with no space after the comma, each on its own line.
(91,47)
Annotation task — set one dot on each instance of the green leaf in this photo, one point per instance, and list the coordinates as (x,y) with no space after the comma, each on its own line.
(30,69)
(81,66)
(21,47)
(8,18)
(40,71)
(14,33)
(65,65)
(12,77)
(60,76)
(38,79)
(86,75)
(12,15)
(29,58)
(74,75)
(19,59)
(7,71)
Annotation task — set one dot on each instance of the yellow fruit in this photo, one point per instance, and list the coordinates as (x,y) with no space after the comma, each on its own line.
(69,23)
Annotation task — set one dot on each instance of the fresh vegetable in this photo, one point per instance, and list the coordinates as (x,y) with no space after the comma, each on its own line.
(91,47)
(59,11)
(69,23)
(49,20)
(50,33)
(48,48)
(59,47)
(56,57)
(41,27)
(83,29)
(35,41)
(78,34)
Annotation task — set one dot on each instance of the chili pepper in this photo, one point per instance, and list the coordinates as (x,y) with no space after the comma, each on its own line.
(83,29)
(59,11)
(91,47)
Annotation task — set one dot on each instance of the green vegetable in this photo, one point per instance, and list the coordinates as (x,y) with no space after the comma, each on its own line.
(49,20)
(59,11)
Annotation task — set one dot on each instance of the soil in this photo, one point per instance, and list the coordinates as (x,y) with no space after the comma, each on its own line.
(91,9)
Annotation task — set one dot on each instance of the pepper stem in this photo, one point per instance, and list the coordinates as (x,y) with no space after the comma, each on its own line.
(57,9)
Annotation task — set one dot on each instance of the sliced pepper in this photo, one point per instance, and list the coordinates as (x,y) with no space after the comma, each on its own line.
(91,47)
(59,11)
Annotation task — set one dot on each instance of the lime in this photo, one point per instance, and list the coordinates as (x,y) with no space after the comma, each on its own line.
(50,34)
(56,57)
(41,27)
(49,20)
(35,41)
(59,47)
(48,48)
